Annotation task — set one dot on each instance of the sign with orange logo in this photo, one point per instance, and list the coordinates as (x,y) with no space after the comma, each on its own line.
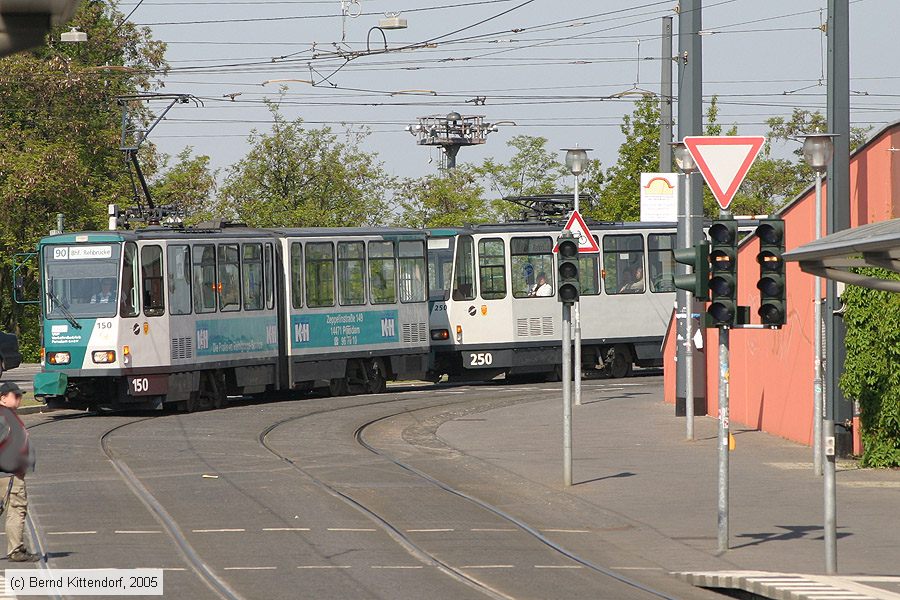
(659,197)
(484,309)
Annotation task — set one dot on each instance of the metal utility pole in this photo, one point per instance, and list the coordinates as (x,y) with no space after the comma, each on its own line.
(838,206)
(567,392)
(724,436)
(665,106)
(690,122)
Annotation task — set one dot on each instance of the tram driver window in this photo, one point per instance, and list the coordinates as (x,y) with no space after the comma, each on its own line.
(464,270)
(662,263)
(623,264)
(129,297)
(531,262)
(229,278)
(152,281)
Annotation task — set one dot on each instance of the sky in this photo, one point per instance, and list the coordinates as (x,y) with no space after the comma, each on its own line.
(563,69)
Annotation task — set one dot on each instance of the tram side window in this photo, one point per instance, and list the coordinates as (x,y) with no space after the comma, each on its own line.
(152,281)
(205,284)
(351,273)
(623,264)
(179,266)
(662,263)
(269,266)
(532,267)
(464,270)
(296,275)
(382,273)
(492,269)
(589,273)
(229,278)
(252,271)
(319,274)
(440,268)
(129,305)
(412,271)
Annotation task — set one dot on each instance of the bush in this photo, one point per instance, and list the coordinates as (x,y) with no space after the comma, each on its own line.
(872,368)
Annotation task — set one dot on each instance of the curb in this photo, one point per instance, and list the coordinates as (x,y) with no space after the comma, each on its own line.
(787,586)
(31,410)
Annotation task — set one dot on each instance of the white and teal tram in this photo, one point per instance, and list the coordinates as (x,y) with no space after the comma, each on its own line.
(494,307)
(190,316)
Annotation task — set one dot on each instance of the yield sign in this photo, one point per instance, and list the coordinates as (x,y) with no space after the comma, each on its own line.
(586,241)
(724,161)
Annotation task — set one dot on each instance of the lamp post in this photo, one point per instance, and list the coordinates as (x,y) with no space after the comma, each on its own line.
(818,148)
(686,165)
(576,162)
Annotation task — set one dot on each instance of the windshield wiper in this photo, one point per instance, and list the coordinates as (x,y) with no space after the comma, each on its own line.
(65,311)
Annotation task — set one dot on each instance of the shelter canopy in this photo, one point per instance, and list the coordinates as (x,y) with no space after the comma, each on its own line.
(872,245)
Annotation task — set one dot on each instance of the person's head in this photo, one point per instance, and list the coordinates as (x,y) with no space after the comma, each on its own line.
(106,286)
(638,272)
(10,395)
(542,278)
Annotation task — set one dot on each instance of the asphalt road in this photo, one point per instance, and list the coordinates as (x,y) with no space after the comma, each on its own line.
(317,498)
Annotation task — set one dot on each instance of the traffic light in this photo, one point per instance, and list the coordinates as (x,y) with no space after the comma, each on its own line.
(723,263)
(771,284)
(697,282)
(569,287)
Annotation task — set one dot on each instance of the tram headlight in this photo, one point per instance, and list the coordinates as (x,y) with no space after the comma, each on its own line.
(440,334)
(59,358)
(102,357)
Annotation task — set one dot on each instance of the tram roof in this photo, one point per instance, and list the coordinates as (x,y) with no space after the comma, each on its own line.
(528,226)
(151,233)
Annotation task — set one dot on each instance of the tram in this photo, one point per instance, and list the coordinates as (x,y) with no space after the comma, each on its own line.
(494,307)
(190,316)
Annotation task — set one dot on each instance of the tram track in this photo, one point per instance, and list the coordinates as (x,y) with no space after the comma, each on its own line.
(416,550)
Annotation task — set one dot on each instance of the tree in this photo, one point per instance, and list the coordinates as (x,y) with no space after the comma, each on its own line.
(59,131)
(188,185)
(533,170)
(620,191)
(300,177)
(435,201)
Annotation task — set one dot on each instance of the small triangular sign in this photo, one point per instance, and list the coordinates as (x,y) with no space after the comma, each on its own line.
(586,241)
(724,161)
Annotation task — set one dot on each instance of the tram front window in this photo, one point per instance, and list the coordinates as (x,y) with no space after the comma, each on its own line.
(81,280)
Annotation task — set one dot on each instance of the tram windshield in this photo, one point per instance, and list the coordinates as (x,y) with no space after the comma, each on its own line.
(440,267)
(81,280)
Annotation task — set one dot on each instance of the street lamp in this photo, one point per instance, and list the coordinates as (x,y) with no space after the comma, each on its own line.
(576,162)
(73,35)
(818,149)
(686,164)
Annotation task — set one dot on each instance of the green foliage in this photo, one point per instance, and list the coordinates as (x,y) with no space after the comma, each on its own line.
(188,184)
(872,368)
(619,190)
(59,134)
(296,177)
(532,170)
(435,201)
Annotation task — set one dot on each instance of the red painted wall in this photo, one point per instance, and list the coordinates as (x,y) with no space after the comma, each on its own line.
(781,402)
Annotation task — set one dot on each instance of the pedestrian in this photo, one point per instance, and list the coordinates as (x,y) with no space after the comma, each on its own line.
(16,457)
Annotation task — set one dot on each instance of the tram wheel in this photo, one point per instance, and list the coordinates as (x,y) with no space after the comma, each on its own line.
(377,382)
(619,364)
(338,387)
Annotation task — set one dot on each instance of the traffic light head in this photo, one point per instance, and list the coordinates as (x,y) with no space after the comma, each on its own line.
(723,264)
(772,284)
(569,287)
(697,282)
